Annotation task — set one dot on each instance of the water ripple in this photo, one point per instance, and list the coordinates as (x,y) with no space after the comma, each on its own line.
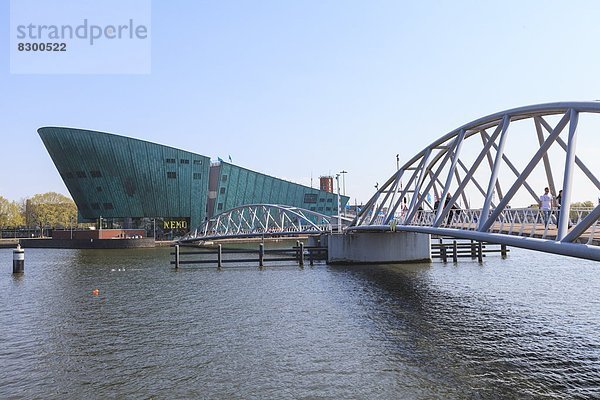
(526,327)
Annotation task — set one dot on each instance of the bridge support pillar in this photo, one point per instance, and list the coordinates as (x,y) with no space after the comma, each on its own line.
(378,247)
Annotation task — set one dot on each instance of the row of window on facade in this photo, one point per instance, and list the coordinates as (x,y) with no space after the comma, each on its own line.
(312,198)
(98,174)
(320,209)
(173,175)
(321,200)
(220,208)
(182,161)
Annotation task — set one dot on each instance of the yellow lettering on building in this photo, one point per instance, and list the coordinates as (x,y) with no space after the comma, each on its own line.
(175,224)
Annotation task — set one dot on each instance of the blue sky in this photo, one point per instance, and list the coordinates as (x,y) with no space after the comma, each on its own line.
(301,88)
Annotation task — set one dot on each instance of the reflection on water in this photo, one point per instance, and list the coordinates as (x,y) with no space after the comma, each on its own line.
(525,327)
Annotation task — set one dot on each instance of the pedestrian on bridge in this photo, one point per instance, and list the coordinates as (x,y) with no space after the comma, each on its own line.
(558,204)
(546,205)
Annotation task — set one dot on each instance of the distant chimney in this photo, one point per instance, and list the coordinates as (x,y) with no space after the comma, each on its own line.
(326,183)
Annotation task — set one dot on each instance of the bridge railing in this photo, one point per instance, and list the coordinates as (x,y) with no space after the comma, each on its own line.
(513,221)
(261,220)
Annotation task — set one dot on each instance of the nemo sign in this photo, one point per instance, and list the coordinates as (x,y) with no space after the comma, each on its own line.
(175,224)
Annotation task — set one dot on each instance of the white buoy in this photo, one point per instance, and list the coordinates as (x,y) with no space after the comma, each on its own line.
(18,260)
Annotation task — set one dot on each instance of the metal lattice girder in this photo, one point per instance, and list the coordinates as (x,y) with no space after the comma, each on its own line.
(443,168)
(261,219)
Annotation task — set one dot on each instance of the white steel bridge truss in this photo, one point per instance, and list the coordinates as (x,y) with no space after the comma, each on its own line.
(261,220)
(490,176)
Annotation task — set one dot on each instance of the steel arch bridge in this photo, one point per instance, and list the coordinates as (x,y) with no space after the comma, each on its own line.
(464,184)
(258,220)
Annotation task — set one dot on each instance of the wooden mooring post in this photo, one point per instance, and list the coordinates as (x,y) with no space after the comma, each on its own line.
(443,253)
(456,249)
(219,257)
(259,256)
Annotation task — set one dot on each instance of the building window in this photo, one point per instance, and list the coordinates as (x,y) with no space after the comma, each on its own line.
(95,206)
(96,174)
(183,161)
(330,200)
(220,206)
(222,191)
(67,175)
(170,161)
(98,188)
(172,175)
(197,175)
(224,178)
(327,208)
(313,209)
(310,198)
(197,162)
(321,200)
(320,208)
(108,206)
(80,174)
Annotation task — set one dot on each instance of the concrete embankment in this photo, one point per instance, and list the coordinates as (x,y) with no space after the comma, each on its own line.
(8,243)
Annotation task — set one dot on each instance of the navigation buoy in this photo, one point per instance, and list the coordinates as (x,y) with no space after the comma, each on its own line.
(95,292)
(18,260)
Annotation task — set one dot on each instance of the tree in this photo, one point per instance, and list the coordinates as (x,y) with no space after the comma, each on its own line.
(10,213)
(580,210)
(52,209)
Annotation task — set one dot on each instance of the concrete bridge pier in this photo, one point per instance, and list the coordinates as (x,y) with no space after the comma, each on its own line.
(378,247)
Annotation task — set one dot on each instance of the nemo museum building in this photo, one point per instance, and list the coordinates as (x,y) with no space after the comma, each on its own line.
(128,182)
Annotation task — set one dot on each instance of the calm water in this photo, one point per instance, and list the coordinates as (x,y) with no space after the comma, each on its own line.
(526,327)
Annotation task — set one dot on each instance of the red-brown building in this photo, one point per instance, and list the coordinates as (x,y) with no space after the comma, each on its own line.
(99,234)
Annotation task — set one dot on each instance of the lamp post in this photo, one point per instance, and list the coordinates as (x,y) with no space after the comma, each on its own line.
(377,198)
(343,173)
(339,204)
(398,169)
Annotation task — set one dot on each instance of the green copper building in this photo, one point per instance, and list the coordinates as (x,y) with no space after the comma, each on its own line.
(116,177)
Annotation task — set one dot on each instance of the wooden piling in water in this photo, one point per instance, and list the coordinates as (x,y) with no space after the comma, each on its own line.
(454,252)
(503,251)
(219,257)
(294,254)
(261,255)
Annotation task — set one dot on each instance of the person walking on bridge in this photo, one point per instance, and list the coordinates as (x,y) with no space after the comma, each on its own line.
(546,205)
